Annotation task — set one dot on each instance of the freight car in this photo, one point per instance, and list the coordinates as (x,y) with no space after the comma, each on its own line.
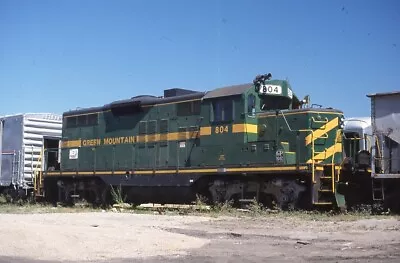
(22,138)
(372,172)
(255,140)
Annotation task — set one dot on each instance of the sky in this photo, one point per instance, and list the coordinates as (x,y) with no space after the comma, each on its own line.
(57,56)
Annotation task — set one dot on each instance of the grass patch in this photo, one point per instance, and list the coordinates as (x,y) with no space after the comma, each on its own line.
(324,216)
(41,209)
(198,208)
(3,199)
(255,209)
(224,209)
(30,206)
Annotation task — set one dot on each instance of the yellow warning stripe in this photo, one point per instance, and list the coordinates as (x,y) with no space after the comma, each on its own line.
(319,157)
(204,131)
(322,131)
(187,171)
(266,169)
(71,143)
(172,136)
(157,137)
(244,128)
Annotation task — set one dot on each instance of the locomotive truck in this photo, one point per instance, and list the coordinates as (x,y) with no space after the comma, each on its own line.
(256,140)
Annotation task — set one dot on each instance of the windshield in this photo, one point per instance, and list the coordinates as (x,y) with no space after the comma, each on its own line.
(275,103)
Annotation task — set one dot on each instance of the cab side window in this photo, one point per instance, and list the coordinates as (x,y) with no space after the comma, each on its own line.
(251,104)
(222,110)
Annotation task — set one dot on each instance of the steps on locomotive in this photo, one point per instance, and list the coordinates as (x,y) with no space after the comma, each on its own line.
(324,192)
(325,174)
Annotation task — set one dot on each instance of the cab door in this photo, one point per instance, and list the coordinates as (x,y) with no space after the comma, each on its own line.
(221,120)
(220,139)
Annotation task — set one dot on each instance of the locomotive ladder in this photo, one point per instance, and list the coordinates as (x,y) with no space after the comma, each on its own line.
(378,189)
(323,175)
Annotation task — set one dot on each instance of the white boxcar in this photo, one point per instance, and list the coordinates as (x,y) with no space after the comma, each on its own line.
(22,140)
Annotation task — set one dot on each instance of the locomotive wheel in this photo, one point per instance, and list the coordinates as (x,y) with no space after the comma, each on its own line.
(284,192)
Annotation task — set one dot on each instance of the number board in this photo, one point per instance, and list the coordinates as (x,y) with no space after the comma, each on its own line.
(271,89)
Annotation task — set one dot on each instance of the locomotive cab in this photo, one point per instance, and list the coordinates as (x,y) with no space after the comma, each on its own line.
(297,133)
(292,133)
(274,94)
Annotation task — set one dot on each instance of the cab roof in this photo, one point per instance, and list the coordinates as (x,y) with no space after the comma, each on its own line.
(228,91)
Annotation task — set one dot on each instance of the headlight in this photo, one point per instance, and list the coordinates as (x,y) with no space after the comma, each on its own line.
(341,122)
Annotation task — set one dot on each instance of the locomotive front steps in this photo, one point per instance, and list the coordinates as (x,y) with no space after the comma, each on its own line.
(324,192)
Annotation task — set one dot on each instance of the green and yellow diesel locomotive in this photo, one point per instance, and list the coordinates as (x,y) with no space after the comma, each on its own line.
(256,140)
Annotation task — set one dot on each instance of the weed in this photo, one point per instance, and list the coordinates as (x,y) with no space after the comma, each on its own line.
(225,207)
(82,203)
(117,196)
(255,208)
(200,203)
(3,199)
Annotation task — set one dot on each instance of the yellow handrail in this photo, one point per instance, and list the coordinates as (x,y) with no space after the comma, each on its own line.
(324,136)
(333,161)
(317,121)
(312,153)
(35,173)
(312,158)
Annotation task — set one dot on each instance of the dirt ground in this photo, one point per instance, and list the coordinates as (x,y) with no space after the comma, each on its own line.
(127,237)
